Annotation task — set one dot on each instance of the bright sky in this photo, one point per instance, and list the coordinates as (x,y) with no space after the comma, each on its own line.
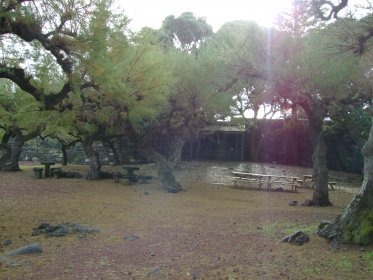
(152,13)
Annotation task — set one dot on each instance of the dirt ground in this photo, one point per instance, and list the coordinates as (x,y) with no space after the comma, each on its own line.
(208,231)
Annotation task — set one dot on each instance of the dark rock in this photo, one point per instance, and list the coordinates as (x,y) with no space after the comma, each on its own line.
(296,238)
(58,231)
(301,239)
(155,272)
(36,232)
(63,229)
(131,237)
(76,228)
(173,190)
(196,275)
(51,228)
(43,226)
(146,193)
(26,250)
(293,203)
(7,242)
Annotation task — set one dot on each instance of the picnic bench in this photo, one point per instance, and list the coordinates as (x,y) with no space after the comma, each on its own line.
(307,182)
(269,180)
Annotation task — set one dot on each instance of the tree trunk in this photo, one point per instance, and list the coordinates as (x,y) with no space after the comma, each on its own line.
(121,151)
(355,225)
(255,144)
(94,160)
(176,151)
(320,173)
(5,149)
(10,162)
(356,221)
(64,155)
(164,171)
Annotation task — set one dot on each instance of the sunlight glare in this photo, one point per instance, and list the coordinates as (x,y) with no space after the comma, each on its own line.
(152,13)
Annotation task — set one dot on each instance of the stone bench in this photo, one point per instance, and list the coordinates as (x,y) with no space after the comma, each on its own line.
(144,178)
(116,177)
(38,172)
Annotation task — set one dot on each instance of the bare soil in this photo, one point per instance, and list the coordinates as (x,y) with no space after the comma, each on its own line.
(208,231)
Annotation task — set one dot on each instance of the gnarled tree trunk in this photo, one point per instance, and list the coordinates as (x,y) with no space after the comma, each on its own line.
(164,171)
(94,160)
(320,172)
(356,221)
(5,149)
(355,225)
(9,161)
(176,151)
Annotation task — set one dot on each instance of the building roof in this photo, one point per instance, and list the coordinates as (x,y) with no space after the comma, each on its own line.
(225,128)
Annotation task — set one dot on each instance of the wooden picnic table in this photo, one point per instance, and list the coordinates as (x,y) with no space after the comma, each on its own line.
(267,179)
(307,182)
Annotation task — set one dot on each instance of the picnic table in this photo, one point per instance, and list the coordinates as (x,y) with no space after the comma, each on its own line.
(266,179)
(307,182)
(47,165)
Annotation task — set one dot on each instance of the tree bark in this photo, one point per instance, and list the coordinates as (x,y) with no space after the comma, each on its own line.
(9,162)
(164,171)
(5,151)
(64,155)
(176,151)
(94,160)
(356,221)
(320,172)
(255,144)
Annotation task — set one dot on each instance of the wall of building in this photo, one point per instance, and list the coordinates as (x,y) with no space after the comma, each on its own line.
(50,149)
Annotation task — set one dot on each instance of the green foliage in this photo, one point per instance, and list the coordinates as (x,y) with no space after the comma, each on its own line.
(354,121)
(186,30)
(17,108)
(288,228)
(344,264)
(368,257)
(313,271)
(247,63)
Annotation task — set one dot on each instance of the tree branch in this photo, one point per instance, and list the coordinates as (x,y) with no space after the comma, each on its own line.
(29,30)
(334,9)
(19,77)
